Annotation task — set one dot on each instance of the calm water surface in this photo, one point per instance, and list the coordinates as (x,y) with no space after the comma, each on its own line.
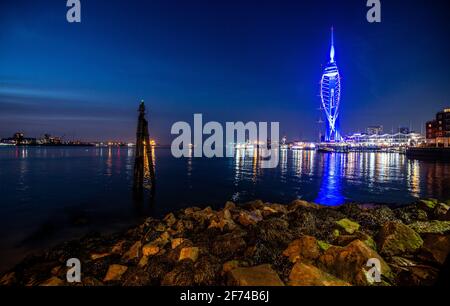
(51,194)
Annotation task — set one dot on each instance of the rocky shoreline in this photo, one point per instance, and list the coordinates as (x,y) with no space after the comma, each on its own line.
(259,244)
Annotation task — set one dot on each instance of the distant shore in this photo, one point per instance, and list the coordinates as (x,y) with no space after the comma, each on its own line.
(257,243)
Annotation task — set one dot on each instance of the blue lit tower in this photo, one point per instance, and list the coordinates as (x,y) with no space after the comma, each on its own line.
(330,94)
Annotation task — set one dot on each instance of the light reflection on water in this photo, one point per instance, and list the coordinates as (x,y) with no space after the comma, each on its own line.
(57,185)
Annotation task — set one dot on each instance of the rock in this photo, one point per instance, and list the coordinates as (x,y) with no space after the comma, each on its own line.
(431,227)
(349,263)
(224,221)
(428,204)
(170,219)
(307,275)
(303,204)
(395,238)
(189,253)
(56,270)
(134,252)
(118,248)
(228,245)
(305,247)
(52,281)
(447,216)
(91,282)
(343,240)
(181,275)
(230,265)
(8,279)
(249,218)
(262,275)
(143,261)
(435,248)
(418,275)
(176,242)
(115,273)
(274,231)
(96,256)
(150,249)
(348,225)
(229,205)
(136,277)
(206,271)
(440,211)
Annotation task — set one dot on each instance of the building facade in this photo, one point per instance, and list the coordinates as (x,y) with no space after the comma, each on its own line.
(438,130)
(385,140)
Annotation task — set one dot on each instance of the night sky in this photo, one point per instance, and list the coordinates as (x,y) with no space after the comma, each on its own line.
(230,60)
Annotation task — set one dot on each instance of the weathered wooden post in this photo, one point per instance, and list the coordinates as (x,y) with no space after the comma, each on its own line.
(143,153)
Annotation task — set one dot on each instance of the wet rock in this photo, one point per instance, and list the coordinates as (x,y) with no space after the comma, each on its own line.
(256,204)
(262,275)
(274,231)
(307,275)
(184,226)
(118,248)
(53,281)
(418,275)
(428,204)
(436,248)
(343,240)
(348,226)
(170,219)
(158,267)
(136,277)
(143,261)
(409,214)
(176,242)
(115,273)
(96,256)
(133,253)
(228,245)
(181,275)
(90,281)
(189,253)
(230,205)
(150,249)
(431,227)
(302,204)
(8,279)
(223,221)
(249,218)
(395,238)
(232,264)
(440,211)
(207,270)
(306,247)
(349,263)
(303,223)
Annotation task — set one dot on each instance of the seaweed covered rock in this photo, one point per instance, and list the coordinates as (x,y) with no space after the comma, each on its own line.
(307,275)
(262,275)
(303,248)
(395,238)
(349,263)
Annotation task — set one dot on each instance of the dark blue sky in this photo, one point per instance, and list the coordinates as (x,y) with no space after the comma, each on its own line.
(230,60)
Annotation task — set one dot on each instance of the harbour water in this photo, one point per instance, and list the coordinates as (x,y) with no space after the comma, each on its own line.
(51,194)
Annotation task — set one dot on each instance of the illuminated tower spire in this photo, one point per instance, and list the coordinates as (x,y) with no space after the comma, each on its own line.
(330,94)
(332,46)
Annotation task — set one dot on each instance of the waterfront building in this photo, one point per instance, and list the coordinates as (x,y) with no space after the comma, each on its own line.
(385,140)
(438,130)
(375,130)
(330,94)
